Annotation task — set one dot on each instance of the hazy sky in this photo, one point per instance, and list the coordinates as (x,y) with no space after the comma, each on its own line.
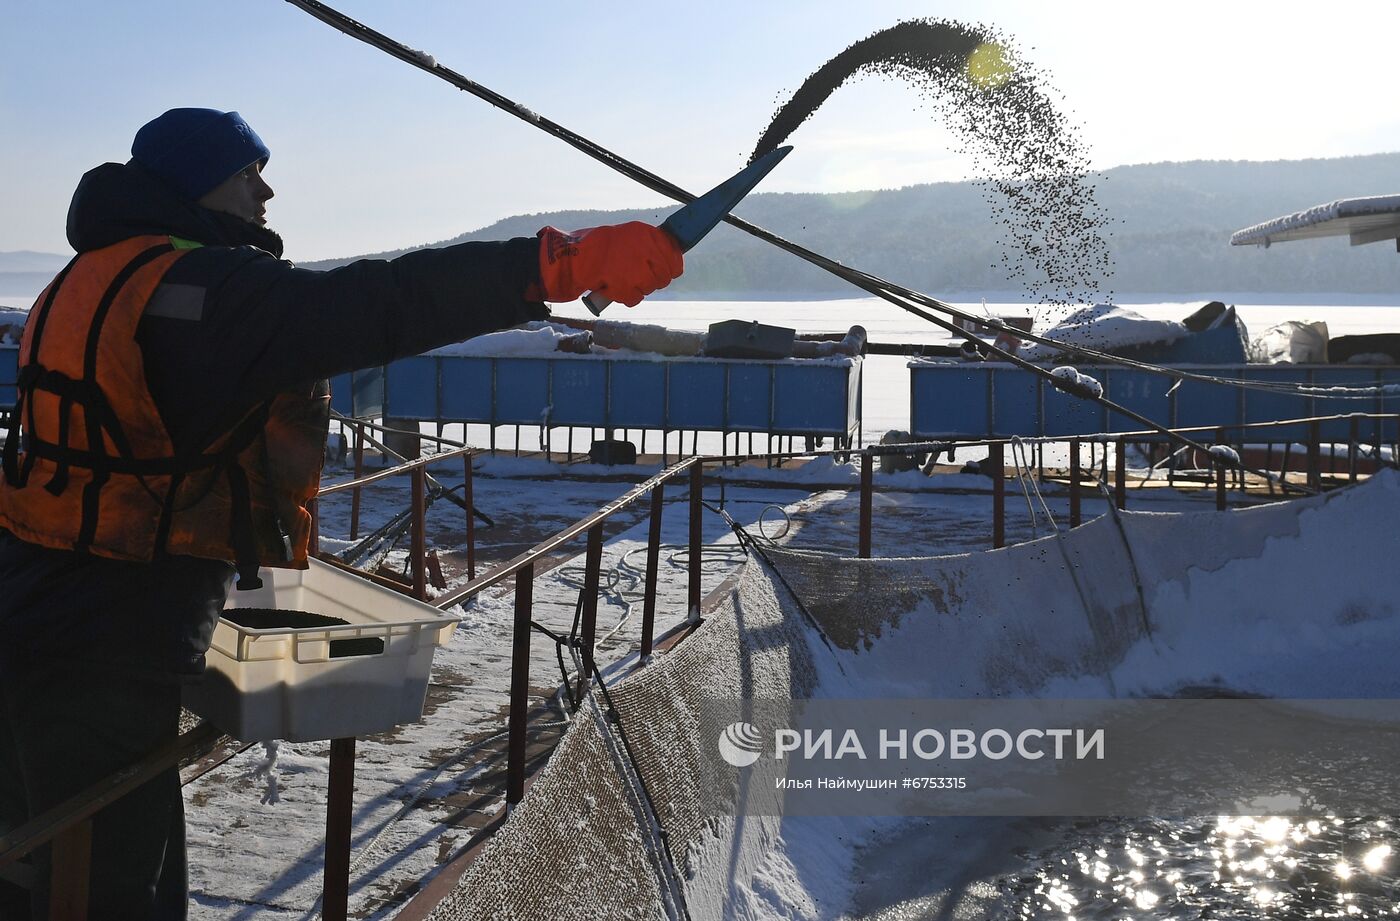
(369,154)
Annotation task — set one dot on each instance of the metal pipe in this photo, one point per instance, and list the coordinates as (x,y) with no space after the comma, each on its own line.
(519,684)
(402,468)
(44,828)
(866,501)
(653,563)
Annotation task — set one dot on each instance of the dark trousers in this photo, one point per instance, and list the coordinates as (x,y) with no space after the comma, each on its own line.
(65,725)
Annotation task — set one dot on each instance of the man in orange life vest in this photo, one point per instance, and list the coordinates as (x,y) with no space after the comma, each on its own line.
(173,407)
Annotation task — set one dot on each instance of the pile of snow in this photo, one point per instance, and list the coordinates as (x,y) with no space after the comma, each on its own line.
(533,339)
(1106,327)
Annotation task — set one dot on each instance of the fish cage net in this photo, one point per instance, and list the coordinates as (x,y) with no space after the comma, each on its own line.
(636,816)
(620,821)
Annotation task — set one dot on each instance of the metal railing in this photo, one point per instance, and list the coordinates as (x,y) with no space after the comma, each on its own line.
(1220,467)
(68,826)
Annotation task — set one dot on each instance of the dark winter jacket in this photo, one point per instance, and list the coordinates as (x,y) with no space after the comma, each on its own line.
(256,326)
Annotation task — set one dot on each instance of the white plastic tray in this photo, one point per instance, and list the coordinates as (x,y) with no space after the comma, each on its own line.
(283,684)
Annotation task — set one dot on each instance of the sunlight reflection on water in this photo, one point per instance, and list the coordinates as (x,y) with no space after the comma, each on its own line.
(1226,868)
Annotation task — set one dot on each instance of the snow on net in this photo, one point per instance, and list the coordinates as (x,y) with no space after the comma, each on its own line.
(1133,603)
(572,845)
(995,623)
(576,848)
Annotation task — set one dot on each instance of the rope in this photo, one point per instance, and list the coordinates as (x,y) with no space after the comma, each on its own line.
(756,545)
(1023,475)
(625,582)
(1117,516)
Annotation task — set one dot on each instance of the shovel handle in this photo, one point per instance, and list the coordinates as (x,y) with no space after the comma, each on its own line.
(596,303)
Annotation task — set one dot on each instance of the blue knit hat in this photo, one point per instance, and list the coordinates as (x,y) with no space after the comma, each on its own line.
(195,150)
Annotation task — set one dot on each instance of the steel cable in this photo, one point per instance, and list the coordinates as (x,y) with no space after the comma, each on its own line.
(907,299)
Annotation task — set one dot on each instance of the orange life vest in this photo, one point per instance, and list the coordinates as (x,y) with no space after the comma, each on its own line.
(97,471)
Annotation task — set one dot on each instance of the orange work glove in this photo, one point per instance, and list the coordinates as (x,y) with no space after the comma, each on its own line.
(622,262)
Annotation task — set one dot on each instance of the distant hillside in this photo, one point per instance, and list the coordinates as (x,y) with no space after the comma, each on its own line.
(1174,222)
(1171,236)
(24,272)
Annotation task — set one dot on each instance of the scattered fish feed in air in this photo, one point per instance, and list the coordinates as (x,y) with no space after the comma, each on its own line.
(1033,169)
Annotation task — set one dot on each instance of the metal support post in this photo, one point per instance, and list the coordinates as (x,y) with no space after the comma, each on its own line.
(1120,475)
(996,461)
(519,684)
(1220,473)
(467,489)
(696,540)
(866,501)
(418,548)
(355,491)
(593,564)
(71,873)
(340,809)
(1075,474)
(314,542)
(1353,446)
(1315,455)
(653,562)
